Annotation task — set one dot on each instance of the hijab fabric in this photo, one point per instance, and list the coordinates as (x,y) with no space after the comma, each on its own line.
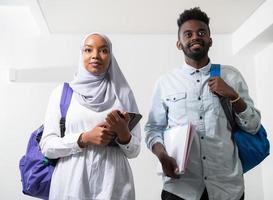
(101,92)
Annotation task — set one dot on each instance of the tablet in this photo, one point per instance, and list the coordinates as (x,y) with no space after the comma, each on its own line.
(134,119)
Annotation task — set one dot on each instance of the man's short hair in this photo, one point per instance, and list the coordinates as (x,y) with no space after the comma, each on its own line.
(193,13)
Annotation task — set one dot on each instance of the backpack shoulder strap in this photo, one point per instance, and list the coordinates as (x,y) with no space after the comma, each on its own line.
(215,70)
(64,104)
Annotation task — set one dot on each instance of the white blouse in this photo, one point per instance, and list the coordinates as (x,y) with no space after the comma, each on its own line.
(95,172)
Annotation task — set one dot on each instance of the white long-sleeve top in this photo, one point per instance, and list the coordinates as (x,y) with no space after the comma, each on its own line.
(95,172)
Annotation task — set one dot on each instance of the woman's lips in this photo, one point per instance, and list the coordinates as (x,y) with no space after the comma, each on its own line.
(95,64)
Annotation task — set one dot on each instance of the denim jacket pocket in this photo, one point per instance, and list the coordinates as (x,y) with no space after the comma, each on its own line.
(176,104)
(176,97)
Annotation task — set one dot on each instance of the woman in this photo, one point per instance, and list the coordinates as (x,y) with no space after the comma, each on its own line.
(90,168)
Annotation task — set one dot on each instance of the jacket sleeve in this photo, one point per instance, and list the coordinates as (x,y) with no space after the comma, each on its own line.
(157,119)
(250,119)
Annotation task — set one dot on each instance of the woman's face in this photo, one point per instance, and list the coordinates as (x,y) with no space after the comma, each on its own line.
(96,54)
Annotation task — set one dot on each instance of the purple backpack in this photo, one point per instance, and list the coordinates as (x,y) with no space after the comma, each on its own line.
(36,170)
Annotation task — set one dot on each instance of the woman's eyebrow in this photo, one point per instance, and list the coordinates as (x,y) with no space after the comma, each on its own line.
(103,46)
(88,45)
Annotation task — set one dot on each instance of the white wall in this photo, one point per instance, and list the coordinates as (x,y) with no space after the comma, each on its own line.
(259,23)
(254,39)
(142,59)
(264,71)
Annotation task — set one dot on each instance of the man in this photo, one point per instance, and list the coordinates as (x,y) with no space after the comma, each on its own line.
(189,94)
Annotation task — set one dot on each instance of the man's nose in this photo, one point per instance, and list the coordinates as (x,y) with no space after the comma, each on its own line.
(195,35)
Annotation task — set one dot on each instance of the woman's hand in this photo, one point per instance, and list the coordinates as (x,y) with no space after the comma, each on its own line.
(99,135)
(118,123)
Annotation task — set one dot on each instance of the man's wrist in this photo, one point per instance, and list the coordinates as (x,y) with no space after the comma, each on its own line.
(159,150)
(235,99)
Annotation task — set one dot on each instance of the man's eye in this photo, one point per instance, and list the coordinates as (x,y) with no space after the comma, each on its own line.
(202,33)
(187,35)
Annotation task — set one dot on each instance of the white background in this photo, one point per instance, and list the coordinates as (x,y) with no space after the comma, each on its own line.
(142,58)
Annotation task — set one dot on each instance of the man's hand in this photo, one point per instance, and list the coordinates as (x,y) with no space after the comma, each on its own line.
(219,86)
(169,166)
(168,163)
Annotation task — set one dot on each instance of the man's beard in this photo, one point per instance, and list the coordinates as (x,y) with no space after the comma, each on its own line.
(197,54)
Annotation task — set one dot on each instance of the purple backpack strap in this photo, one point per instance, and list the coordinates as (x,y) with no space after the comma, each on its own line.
(64,104)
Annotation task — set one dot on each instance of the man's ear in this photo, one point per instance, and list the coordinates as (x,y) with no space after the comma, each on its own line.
(210,42)
(179,45)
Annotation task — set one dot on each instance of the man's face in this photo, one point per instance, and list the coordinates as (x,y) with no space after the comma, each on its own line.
(194,39)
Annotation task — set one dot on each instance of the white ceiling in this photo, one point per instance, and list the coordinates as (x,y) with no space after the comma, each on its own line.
(132,16)
(140,16)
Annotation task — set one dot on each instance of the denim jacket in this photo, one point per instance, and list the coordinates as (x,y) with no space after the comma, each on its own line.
(183,96)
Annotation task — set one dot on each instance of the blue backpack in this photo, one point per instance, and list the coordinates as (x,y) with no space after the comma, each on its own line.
(36,170)
(253,149)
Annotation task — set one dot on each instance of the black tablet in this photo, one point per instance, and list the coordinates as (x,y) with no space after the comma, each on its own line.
(134,119)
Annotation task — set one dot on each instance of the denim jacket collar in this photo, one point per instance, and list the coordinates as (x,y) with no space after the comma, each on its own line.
(191,70)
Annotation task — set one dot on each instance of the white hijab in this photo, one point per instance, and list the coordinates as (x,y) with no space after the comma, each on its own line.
(101,92)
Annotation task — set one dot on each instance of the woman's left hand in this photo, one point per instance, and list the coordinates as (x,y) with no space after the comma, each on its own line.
(118,123)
